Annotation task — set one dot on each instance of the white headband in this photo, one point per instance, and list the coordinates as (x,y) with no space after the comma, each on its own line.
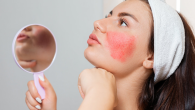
(169,39)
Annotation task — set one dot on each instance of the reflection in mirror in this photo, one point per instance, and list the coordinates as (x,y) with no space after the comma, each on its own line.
(35,48)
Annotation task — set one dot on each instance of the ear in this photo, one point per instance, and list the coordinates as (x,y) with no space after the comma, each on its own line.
(148,62)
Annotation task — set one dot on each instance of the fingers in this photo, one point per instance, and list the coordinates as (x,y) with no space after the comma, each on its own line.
(83,72)
(29,106)
(107,73)
(31,102)
(33,91)
(79,87)
(79,82)
(44,82)
(90,77)
(101,69)
(33,99)
(81,92)
(27,64)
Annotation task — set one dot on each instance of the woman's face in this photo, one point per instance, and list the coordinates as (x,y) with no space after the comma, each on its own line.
(35,43)
(123,38)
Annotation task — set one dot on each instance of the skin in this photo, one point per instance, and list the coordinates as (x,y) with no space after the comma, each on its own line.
(50,101)
(130,71)
(97,81)
(121,46)
(141,30)
(135,69)
(38,50)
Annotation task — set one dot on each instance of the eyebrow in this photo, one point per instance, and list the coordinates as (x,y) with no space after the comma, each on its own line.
(126,14)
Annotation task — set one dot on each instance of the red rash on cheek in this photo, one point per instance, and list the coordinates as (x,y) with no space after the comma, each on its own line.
(120,45)
(42,36)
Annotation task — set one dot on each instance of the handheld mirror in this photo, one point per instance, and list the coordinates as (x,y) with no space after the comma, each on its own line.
(34,51)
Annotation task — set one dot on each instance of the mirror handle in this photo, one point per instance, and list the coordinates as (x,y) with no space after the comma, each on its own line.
(40,89)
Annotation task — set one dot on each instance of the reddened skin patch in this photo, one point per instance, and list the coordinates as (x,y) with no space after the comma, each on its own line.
(121,45)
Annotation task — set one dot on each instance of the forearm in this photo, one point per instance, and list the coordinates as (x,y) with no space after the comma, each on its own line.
(98,100)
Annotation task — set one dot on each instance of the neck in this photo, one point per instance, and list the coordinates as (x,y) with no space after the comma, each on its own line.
(129,89)
(44,60)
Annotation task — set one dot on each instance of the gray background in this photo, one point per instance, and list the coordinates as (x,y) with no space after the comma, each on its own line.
(71,22)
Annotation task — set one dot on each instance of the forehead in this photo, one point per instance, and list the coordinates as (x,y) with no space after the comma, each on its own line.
(138,8)
(134,5)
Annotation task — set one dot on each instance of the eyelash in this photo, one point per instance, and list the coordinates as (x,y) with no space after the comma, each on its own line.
(123,20)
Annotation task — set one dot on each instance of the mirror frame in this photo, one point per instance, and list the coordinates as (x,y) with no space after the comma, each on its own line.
(13,48)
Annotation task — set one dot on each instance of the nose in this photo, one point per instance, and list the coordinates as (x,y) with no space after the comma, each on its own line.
(100,25)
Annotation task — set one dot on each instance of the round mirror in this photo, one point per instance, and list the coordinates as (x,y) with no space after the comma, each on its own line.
(34,50)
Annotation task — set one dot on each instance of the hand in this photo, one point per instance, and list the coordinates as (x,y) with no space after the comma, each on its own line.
(33,99)
(98,89)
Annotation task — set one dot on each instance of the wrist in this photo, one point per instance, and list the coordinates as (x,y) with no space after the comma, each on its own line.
(98,99)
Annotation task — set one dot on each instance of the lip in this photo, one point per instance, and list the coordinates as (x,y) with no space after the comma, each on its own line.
(22,37)
(93,39)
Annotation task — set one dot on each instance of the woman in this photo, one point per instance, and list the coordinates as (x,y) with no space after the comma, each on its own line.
(123,46)
(35,48)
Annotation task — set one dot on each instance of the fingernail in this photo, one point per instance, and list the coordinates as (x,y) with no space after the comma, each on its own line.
(38,107)
(38,100)
(41,78)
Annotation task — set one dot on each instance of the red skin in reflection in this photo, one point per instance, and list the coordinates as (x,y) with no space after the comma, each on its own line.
(121,46)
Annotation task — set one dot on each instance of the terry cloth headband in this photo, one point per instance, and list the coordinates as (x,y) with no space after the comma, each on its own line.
(169,39)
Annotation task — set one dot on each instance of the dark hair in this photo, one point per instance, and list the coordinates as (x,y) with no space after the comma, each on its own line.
(178,91)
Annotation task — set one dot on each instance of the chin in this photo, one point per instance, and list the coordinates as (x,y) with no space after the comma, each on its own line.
(103,60)
(97,59)
(89,55)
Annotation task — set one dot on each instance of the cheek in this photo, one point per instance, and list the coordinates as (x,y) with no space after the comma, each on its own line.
(121,46)
(42,37)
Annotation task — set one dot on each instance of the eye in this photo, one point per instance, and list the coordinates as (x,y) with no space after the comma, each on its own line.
(123,23)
